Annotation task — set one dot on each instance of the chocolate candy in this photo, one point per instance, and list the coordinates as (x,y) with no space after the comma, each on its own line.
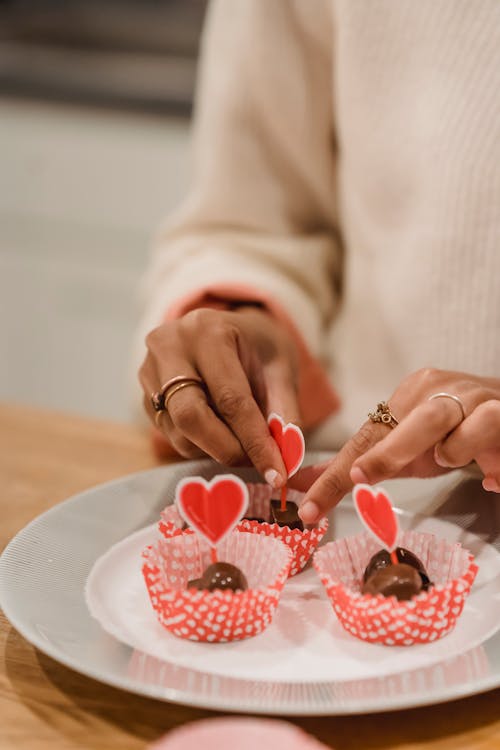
(220,575)
(402,581)
(255,518)
(382,559)
(288,517)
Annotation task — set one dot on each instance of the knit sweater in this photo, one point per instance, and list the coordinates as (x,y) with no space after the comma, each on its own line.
(347,170)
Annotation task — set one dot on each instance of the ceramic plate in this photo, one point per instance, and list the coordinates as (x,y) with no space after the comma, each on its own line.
(303,664)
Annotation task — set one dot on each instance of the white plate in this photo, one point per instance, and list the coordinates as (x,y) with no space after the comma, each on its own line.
(290,669)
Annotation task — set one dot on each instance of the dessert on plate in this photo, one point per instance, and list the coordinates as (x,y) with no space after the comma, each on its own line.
(215,584)
(411,591)
(268,514)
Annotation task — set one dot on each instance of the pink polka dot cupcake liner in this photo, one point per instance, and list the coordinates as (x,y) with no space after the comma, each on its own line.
(302,543)
(377,619)
(216,616)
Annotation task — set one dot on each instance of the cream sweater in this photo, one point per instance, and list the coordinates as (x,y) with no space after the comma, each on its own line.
(347,168)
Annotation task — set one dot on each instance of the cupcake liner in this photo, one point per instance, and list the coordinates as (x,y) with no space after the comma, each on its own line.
(171,523)
(302,543)
(378,619)
(217,616)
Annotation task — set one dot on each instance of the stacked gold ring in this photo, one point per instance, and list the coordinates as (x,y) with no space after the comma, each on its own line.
(160,399)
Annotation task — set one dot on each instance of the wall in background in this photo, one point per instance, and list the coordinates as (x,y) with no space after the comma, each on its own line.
(81,194)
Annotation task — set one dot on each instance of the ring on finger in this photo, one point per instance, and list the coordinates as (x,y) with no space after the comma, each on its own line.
(454,398)
(383,414)
(158,397)
(174,389)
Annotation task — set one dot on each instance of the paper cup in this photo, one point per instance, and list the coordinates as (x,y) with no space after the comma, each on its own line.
(378,619)
(217,616)
(302,543)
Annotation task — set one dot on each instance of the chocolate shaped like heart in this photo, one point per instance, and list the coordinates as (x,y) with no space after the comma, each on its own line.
(212,508)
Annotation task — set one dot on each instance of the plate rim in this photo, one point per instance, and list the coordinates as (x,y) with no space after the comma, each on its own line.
(194,699)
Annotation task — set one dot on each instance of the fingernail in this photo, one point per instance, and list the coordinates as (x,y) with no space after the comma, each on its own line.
(437,458)
(273,478)
(358,476)
(309,512)
(490,484)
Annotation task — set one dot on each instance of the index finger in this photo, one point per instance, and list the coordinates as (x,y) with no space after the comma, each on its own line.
(335,481)
(232,396)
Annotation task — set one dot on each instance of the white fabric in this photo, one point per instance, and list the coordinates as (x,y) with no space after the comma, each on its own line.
(346,162)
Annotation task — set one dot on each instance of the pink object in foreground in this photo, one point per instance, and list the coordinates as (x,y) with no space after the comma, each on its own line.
(238,734)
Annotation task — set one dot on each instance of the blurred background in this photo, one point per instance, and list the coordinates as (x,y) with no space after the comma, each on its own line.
(95,106)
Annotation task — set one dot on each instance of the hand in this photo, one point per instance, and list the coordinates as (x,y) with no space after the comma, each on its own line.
(430,439)
(247,361)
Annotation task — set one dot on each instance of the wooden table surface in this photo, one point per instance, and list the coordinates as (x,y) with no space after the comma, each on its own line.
(44,458)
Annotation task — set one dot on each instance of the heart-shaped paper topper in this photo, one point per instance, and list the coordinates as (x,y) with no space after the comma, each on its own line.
(290,442)
(212,508)
(377,515)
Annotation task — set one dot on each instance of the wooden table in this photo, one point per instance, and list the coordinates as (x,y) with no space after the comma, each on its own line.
(44,458)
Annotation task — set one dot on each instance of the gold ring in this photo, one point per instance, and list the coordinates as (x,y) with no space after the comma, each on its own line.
(384,415)
(454,398)
(158,397)
(173,390)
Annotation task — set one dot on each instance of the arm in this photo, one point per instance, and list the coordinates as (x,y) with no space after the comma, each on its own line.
(260,220)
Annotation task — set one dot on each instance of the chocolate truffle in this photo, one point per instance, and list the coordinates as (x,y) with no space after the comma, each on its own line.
(382,559)
(401,580)
(220,575)
(288,517)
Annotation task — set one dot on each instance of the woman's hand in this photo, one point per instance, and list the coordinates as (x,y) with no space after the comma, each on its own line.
(431,438)
(247,362)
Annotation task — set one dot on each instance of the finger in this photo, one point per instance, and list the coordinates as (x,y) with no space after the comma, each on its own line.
(193,418)
(476,435)
(253,369)
(281,389)
(230,390)
(420,430)
(335,481)
(148,378)
(180,444)
(306,477)
(491,484)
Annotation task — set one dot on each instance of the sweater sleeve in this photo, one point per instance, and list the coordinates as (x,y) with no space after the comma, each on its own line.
(260,221)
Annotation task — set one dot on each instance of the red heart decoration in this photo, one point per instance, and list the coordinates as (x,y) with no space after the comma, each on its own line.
(212,508)
(377,515)
(290,442)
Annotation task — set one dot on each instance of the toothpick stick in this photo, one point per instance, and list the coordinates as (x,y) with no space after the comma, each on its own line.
(283,498)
